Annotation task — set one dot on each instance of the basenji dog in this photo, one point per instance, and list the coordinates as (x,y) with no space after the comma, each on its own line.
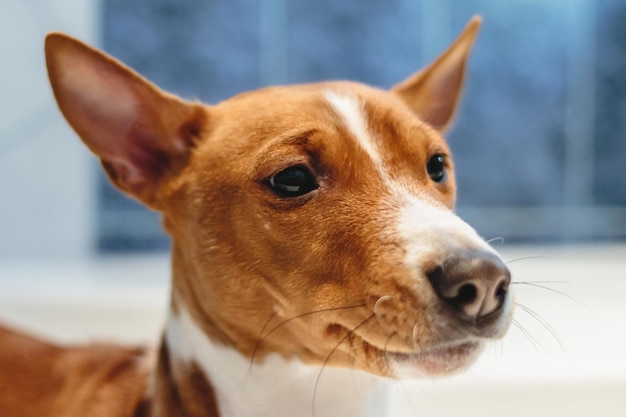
(315,251)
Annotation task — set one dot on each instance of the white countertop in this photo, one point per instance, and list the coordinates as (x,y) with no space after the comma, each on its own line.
(574,364)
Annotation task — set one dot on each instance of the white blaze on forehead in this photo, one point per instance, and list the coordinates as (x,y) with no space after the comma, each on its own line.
(350,109)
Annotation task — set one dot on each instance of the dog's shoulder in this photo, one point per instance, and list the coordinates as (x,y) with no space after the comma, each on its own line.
(44,379)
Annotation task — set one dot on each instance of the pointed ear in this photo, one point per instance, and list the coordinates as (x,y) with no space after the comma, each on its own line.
(434,92)
(142,135)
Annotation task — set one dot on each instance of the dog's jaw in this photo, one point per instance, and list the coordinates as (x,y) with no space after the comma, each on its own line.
(275,387)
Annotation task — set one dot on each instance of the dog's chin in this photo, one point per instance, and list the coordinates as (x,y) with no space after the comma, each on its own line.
(439,361)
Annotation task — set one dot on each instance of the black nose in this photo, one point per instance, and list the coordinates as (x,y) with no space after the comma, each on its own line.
(474,283)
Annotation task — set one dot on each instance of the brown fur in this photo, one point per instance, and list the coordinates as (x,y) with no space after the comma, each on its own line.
(41,379)
(232,288)
(181,390)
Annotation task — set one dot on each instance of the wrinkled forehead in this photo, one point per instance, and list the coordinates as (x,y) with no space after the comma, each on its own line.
(374,121)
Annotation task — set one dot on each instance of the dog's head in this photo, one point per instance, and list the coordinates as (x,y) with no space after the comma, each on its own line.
(314,221)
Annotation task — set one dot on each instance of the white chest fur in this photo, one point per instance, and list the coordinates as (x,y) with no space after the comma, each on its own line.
(277,387)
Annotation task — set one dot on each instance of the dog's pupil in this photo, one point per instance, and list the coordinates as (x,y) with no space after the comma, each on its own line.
(436,168)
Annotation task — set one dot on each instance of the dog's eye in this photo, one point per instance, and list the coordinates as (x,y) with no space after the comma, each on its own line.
(436,168)
(293,181)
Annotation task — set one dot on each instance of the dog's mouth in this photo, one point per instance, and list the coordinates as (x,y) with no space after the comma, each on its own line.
(437,361)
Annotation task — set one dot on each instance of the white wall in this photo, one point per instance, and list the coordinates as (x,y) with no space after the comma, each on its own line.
(46,175)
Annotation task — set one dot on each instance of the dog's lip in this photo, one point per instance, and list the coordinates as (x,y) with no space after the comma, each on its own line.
(438,360)
(441,360)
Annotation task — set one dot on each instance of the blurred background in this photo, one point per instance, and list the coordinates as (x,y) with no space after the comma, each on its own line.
(539,145)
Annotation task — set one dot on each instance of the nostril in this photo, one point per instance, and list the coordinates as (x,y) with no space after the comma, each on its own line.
(466,294)
(435,275)
(502,290)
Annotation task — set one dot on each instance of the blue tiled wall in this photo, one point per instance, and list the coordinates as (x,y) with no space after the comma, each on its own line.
(511,140)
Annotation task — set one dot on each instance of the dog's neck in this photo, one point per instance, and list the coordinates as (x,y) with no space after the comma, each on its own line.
(274,387)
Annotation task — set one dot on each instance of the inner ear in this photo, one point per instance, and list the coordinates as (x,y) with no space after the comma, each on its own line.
(152,151)
(434,92)
(142,134)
